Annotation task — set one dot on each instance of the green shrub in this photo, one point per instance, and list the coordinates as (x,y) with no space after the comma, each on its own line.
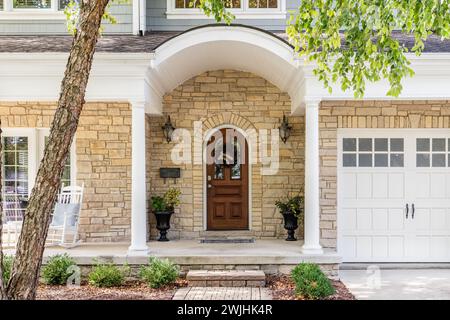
(56,271)
(7,266)
(159,272)
(107,275)
(311,282)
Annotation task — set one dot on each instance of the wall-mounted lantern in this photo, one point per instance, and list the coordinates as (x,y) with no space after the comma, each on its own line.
(285,129)
(168,129)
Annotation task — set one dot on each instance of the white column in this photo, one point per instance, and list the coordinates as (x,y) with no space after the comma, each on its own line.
(312,162)
(55,5)
(138,181)
(8,5)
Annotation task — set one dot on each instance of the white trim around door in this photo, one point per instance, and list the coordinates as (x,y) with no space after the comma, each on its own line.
(208,136)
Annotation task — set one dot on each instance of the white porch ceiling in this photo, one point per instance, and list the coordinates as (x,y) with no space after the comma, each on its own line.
(214,48)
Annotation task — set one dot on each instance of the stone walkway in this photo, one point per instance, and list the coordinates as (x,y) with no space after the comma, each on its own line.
(222,293)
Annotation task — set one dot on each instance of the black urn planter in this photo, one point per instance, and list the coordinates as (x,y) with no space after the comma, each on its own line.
(290,224)
(163,223)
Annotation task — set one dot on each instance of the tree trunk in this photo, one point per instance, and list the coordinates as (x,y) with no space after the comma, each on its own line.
(2,285)
(25,272)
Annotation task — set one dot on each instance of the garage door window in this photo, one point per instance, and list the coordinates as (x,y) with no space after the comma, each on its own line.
(373,152)
(432,152)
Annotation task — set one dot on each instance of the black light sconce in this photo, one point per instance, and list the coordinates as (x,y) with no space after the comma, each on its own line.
(285,129)
(168,129)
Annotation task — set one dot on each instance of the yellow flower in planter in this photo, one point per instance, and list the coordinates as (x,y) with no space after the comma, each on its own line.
(172,198)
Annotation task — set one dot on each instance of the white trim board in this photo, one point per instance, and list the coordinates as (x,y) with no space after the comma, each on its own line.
(240,13)
(147,77)
(11,13)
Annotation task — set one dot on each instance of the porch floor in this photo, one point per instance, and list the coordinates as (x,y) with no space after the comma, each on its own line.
(192,252)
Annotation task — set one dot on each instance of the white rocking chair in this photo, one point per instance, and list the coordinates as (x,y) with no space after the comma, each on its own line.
(63,230)
(12,220)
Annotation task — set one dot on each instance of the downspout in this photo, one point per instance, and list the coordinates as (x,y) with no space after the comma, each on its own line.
(142,17)
(136,22)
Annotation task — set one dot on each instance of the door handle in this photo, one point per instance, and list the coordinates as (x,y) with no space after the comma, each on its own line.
(209,186)
(413,210)
(407,210)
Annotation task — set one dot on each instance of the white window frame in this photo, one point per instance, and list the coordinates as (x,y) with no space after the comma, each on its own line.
(11,13)
(32,153)
(243,13)
(36,145)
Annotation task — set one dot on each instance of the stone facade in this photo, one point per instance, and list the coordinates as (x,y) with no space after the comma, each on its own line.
(103,160)
(331,269)
(217,98)
(103,150)
(364,114)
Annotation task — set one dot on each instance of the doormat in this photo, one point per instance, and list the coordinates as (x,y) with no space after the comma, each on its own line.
(227,240)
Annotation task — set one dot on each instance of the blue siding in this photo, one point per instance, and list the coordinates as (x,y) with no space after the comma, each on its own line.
(123,14)
(157,20)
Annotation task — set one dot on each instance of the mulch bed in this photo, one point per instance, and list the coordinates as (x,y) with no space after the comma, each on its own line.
(283,288)
(129,291)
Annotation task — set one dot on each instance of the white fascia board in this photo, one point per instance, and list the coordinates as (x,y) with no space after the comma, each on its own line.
(37,76)
(430,82)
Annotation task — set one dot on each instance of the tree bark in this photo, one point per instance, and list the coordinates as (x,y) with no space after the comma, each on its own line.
(28,259)
(2,285)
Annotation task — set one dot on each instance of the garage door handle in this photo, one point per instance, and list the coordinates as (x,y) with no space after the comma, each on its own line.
(413,210)
(407,210)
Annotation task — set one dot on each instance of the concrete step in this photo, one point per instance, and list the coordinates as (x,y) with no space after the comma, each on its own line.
(227,240)
(226,278)
(226,234)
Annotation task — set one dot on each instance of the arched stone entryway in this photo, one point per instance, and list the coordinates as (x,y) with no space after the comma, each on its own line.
(217,99)
(249,50)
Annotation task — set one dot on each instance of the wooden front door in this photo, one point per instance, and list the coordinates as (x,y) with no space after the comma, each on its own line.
(227,181)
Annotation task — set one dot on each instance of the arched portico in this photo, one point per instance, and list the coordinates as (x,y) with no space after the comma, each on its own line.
(218,48)
(224,47)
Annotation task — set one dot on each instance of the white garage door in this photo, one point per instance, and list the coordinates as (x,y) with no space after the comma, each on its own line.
(394,195)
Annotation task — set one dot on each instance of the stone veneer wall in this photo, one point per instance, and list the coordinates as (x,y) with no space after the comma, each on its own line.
(330,269)
(103,159)
(364,114)
(217,98)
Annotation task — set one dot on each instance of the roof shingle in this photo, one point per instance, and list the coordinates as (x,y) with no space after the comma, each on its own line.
(148,43)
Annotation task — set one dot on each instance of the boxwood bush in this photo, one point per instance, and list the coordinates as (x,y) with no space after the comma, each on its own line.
(159,272)
(7,266)
(107,275)
(311,282)
(56,271)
